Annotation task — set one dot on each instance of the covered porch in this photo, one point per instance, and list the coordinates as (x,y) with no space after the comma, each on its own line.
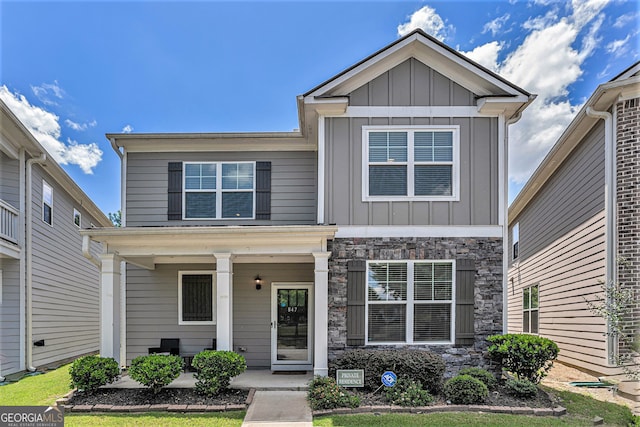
(149,275)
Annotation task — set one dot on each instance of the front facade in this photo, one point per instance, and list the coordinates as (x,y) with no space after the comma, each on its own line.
(49,305)
(382,223)
(572,225)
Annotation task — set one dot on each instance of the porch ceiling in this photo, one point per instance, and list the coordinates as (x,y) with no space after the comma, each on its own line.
(145,246)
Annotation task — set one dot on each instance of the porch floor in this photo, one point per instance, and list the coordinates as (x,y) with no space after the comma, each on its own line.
(259,379)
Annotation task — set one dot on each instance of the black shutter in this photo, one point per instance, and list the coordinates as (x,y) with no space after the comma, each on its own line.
(356,284)
(174,189)
(465,284)
(263,190)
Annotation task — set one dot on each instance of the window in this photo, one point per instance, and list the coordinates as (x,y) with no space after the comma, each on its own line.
(410,302)
(77,218)
(530,302)
(219,190)
(47,203)
(515,234)
(196,298)
(414,162)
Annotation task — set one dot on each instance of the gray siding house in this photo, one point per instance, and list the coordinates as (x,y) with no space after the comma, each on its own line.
(572,222)
(381,223)
(49,292)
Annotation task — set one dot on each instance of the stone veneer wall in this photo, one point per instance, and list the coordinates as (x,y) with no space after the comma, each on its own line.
(488,309)
(628,203)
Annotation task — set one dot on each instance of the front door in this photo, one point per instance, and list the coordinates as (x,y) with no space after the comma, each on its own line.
(291,326)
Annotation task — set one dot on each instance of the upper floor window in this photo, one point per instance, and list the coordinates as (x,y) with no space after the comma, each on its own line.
(417,162)
(515,236)
(530,306)
(410,302)
(219,190)
(77,217)
(47,203)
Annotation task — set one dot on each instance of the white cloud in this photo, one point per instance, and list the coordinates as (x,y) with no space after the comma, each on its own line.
(45,91)
(45,127)
(619,47)
(428,20)
(486,55)
(127,129)
(495,25)
(623,20)
(80,126)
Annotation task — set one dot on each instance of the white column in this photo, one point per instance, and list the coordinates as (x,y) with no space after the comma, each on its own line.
(224,301)
(321,313)
(110,307)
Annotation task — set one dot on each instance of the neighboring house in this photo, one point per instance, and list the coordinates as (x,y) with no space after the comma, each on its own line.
(381,223)
(49,292)
(571,222)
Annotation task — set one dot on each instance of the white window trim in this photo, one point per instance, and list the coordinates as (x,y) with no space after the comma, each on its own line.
(218,191)
(515,241)
(410,303)
(213,296)
(455,170)
(77,213)
(45,184)
(529,310)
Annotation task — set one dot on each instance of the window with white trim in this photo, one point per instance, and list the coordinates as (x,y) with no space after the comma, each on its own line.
(415,162)
(219,190)
(47,203)
(196,298)
(515,237)
(77,217)
(530,309)
(410,302)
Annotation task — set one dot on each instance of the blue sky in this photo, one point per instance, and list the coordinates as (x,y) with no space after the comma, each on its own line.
(73,71)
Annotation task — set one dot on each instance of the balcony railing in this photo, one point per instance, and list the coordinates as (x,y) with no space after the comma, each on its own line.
(8,222)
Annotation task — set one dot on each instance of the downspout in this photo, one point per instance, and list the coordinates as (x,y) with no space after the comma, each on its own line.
(29,257)
(609,213)
(86,251)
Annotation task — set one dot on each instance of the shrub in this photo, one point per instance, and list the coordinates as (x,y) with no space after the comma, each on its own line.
(324,393)
(419,365)
(521,388)
(483,375)
(90,372)
(527,356)
(214,370)
(464,389)
(408,393)
(155,370)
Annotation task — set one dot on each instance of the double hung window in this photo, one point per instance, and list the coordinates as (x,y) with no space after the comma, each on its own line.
(410,302)
(219,190)
(411,162)
(47,203)
(530,303)
(515,235)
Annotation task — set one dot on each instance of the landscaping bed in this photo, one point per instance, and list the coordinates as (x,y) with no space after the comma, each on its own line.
(166,396)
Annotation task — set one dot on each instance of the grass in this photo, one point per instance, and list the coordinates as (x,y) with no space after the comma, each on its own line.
(581,410)
(38,390)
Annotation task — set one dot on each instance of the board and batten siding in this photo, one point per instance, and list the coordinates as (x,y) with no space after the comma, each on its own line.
(65,284)
(9,180)
(478,204)
(252,308)
(293,187)
(10,316)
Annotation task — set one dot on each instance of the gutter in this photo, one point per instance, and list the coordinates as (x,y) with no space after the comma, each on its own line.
(609,213)
(86,246)
(29,257)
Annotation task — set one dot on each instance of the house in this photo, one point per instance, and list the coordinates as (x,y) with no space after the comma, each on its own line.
(49,305)
(382,222)
(572,221)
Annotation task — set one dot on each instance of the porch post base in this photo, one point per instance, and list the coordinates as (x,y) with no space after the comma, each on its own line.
(322,372)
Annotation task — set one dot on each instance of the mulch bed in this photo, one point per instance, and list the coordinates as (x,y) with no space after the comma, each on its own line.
(168,396)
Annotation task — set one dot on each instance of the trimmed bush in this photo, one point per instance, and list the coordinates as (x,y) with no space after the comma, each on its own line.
(483,375)
(214,370)
(521,388)
(324,393)
(408,393)
(465,390)
(88,373)
(418,365)
(526,356)
(155,370)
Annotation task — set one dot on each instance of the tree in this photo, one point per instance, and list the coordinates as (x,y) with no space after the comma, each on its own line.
(116,218)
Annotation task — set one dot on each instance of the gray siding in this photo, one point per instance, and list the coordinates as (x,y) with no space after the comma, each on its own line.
(65,284)
(478,204)
(293,187)
(411,83)
(9,180)
(10,317)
